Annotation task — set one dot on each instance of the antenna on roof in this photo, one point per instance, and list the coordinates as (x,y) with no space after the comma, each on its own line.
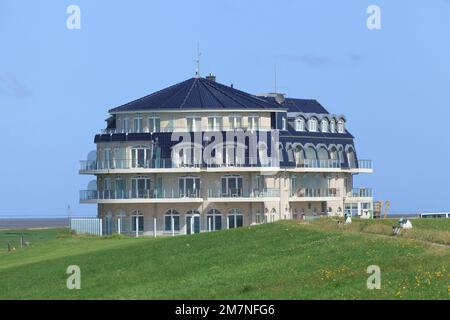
(197,69)
(275,77)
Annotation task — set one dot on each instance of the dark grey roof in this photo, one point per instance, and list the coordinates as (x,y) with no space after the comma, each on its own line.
(198,93)
(300,105)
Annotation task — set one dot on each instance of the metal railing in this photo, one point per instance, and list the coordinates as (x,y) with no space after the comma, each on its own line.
(363,164)
(361,192)
(313,192)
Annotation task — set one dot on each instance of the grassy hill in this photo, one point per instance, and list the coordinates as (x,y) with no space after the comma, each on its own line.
(283,260)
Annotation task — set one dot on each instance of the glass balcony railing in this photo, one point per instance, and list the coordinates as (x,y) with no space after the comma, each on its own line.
(86,195)
(241,193)
(312,163)
(186,129)
(87,165)
(361,192)
(313,192)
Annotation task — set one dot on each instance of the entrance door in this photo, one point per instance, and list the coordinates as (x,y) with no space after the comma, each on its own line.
(193,223)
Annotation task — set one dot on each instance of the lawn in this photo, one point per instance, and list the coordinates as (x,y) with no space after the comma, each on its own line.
(283,260)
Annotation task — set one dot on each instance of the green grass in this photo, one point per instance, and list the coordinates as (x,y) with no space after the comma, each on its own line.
(284,260)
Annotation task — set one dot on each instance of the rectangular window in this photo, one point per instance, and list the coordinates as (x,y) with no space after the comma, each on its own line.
(140,187)
(154,124)
(107,184)
(120,188)
(126,124)
(215,123)
(189,187)
(235,122)
(138,124)
(168,223)
(194,124)
(140,222)
(253,123)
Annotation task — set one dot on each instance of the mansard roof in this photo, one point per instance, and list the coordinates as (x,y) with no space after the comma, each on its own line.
(198,93)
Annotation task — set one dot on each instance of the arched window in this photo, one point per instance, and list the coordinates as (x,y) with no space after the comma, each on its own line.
(340,126)
(214,218)
(299,155)
(235,218)
(310,153)
(137,218)
(312,125)
(322,153)
(300,124)
(351,158)
(334,154)
(324,125)
(192,221)
(171,213)
(273,214)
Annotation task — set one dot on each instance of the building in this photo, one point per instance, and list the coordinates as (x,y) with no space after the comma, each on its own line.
(153,176)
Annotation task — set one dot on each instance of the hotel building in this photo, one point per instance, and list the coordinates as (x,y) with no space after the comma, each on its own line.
(148,182)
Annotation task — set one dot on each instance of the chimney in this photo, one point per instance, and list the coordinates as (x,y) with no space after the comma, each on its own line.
(211,77)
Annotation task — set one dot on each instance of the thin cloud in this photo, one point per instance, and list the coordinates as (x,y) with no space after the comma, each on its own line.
(10,85)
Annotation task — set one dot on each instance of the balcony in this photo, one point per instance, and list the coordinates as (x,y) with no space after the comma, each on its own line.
(313,164)
(241,195)
(363,166)
(140,195)
(314,194)
(91,166)
(169,128)
(361,193)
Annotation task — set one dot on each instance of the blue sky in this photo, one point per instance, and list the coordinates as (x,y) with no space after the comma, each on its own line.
(56,85)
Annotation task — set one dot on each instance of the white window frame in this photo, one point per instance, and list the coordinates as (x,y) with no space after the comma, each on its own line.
(312,125)
(196,123)
(138,124)
(340,126)
(216,124)
(324,125)
(152,127)
(299,124)
(126,124)
(235,121)
(253,122)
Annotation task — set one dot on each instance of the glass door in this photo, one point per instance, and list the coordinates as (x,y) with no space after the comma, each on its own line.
(193,223)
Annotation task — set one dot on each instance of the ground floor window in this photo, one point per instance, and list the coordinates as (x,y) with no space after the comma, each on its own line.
(137,218)
(214,220)
(168,220)
(351,209)
(235,219)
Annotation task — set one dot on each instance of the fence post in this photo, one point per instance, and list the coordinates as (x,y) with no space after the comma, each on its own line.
(118,225)
(101,227)
(154,227)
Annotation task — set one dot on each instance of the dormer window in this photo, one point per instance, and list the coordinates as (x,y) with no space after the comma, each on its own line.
(324,125)
(312,125)
(299,124)
(332,126)
(340,126)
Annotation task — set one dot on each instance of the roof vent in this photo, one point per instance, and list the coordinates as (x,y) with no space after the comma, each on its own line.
(211,77)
